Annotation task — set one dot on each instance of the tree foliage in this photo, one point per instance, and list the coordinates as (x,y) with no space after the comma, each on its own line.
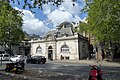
(11,20)
(10,23)
(104,19)
(38,3)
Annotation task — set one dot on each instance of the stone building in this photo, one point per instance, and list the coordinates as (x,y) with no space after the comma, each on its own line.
(61,44)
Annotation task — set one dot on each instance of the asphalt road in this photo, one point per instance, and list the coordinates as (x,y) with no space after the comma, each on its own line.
(78,71)
(53,70)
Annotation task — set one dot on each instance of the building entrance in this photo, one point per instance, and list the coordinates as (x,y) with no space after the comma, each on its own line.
(50,53)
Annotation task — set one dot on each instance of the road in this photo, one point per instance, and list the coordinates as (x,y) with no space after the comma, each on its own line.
(74,71)
(64,70)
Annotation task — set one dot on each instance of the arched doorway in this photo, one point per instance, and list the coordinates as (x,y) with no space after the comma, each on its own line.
(50,53)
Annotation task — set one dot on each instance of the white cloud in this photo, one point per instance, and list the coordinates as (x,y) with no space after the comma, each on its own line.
(65,12)
(55,15)
(58,16)
(33,25)
(68,6)
(47,8)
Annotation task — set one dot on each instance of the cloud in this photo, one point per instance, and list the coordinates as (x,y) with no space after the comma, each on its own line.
(55,15)
(65,12)
(33,25)
(58,16)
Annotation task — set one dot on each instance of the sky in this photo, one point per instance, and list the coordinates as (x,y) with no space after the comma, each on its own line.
(43,20)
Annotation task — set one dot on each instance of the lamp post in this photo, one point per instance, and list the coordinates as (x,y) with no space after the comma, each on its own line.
(1,59)
(2,51)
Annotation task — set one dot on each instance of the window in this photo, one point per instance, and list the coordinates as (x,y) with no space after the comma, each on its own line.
(39,49)
(65,49)
(67,58)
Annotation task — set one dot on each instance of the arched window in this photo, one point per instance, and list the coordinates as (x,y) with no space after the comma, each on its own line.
(65,49)
(39,50)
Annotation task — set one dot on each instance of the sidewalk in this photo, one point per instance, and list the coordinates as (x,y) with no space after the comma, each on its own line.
(92,62)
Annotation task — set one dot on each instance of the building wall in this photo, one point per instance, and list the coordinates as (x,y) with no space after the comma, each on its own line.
(75,45)
(53,45)
(34,47)
(15,49)
(75,48)
(2,48)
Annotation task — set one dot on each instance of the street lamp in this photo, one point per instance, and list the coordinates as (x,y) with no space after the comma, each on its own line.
(1,59)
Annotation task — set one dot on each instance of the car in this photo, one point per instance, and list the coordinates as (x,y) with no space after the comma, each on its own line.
(4,57)
(17,58)
(36,59)
(2,52)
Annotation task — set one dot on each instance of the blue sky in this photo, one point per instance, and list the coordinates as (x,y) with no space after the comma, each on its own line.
(51,16)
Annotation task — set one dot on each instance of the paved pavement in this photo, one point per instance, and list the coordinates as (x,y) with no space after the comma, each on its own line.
(89,62)
(93,62)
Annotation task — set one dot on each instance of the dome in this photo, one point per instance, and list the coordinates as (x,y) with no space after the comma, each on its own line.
(65,25)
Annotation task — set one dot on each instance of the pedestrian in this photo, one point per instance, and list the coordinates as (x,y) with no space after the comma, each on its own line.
(61,57)
(90,50)
(103,54)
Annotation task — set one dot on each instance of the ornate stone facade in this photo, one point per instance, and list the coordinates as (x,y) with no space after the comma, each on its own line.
(61,44)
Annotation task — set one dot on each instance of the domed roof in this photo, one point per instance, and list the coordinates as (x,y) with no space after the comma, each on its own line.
(65,24)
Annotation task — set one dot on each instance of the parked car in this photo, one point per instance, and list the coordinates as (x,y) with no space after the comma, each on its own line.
(4,57)
(17,58)
(2,52)
(36,59)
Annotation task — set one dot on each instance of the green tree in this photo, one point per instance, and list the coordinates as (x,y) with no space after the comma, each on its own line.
(31,4)
(104,19)
(10,24)
(11,20)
